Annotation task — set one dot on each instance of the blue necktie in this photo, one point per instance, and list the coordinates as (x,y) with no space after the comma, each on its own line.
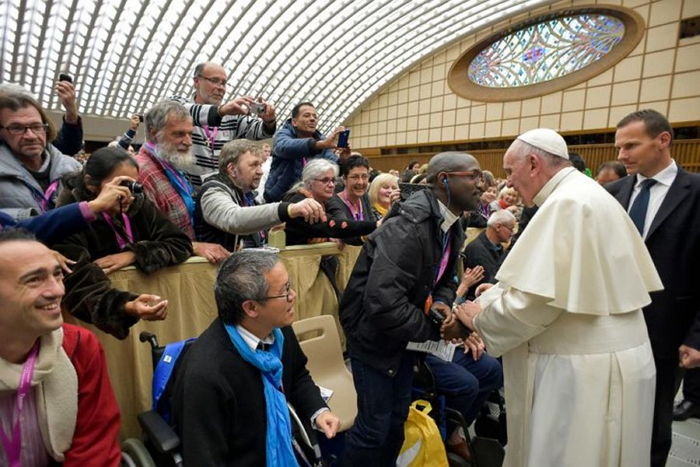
(638,213)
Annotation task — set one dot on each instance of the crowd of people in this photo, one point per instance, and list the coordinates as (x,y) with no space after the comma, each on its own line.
(579,297)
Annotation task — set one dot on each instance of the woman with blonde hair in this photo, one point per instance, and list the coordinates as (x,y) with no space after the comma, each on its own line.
(507,197)
(383,192)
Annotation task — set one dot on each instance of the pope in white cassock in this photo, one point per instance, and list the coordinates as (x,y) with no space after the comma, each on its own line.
(566,317)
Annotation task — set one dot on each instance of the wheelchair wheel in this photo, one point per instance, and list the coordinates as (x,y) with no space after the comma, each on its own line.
(135,454)
(127,461)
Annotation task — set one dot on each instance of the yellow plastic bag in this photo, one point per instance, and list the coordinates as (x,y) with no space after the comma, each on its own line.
(422,446)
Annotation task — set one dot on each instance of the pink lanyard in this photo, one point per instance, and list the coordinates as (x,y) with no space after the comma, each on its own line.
(127,226)
(46,199)
(211,135)
(356,213)
(13,444)
(447,249)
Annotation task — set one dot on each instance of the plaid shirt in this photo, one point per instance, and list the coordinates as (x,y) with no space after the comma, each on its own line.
(161,192)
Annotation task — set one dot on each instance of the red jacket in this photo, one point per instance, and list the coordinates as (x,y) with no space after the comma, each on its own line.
(96,437)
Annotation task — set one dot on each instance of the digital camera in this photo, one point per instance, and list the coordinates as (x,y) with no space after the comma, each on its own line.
(135,187)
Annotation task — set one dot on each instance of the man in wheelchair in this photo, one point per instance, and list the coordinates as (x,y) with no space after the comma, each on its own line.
(230,394)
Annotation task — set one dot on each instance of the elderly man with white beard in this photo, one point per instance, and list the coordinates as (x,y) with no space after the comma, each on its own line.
(163,161)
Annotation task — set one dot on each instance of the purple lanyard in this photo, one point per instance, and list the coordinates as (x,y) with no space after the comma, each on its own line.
(127,226)
(446,250)
(48,194)
(13,444)
(356,213)
(211,135)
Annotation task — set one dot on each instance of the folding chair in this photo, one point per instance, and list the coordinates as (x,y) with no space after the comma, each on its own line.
(319,339)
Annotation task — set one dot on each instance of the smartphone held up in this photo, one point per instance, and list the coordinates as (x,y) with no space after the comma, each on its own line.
(343,138)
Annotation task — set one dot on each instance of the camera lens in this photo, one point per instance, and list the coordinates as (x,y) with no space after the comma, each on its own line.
(135,187)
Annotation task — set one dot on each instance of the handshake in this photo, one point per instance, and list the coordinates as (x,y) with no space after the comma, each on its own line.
(456,322)
(457,325)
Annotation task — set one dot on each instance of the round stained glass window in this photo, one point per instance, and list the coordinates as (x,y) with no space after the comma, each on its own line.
(546,51)
(546,54)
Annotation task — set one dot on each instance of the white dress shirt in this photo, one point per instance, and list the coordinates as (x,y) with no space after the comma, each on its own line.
(252,340)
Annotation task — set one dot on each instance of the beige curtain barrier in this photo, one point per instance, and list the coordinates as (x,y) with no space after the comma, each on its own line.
(189,288)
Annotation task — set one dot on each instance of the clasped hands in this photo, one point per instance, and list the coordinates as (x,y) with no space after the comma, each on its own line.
(459,320)
(457,325)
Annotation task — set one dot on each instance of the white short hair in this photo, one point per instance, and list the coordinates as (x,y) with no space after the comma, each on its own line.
(502,216)
(315,168)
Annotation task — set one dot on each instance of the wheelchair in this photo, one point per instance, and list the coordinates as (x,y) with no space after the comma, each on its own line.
(486,451)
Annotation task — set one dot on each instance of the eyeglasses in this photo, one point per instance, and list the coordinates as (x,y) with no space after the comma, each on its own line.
(509,227)
(473,175)
(288,291)
(326,181)
(18,130)
(215,81)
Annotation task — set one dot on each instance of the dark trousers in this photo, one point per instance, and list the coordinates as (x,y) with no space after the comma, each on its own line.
(382,407)
(691,385)
(465,382)
(667,381)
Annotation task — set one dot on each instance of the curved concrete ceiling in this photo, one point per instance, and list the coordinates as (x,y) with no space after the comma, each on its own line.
(125,55)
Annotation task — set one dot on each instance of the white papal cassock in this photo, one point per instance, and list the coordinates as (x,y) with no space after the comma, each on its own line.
(566,316)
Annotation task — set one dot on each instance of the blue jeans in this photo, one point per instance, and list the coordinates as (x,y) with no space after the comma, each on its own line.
(382,407)
(466,383)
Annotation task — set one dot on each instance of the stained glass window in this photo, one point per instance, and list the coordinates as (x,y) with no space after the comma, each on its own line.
(546,50)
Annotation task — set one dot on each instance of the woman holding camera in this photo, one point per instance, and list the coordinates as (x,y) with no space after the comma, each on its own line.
(134,232)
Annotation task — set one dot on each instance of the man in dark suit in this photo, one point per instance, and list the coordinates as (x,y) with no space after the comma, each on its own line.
(229,399)
(663,200)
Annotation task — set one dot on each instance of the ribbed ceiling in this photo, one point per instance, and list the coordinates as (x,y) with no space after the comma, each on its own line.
(125,55)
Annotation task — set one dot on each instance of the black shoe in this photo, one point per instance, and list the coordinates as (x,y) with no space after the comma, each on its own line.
(686,409)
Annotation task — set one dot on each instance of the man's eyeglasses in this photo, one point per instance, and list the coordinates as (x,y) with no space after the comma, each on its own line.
(288,291)
(326,181)
(18,130)
(215,81)
(473,175)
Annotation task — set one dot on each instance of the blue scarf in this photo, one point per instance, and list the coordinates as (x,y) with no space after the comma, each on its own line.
(278,438)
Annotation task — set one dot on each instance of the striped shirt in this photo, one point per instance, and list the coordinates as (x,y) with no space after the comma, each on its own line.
(211,132)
